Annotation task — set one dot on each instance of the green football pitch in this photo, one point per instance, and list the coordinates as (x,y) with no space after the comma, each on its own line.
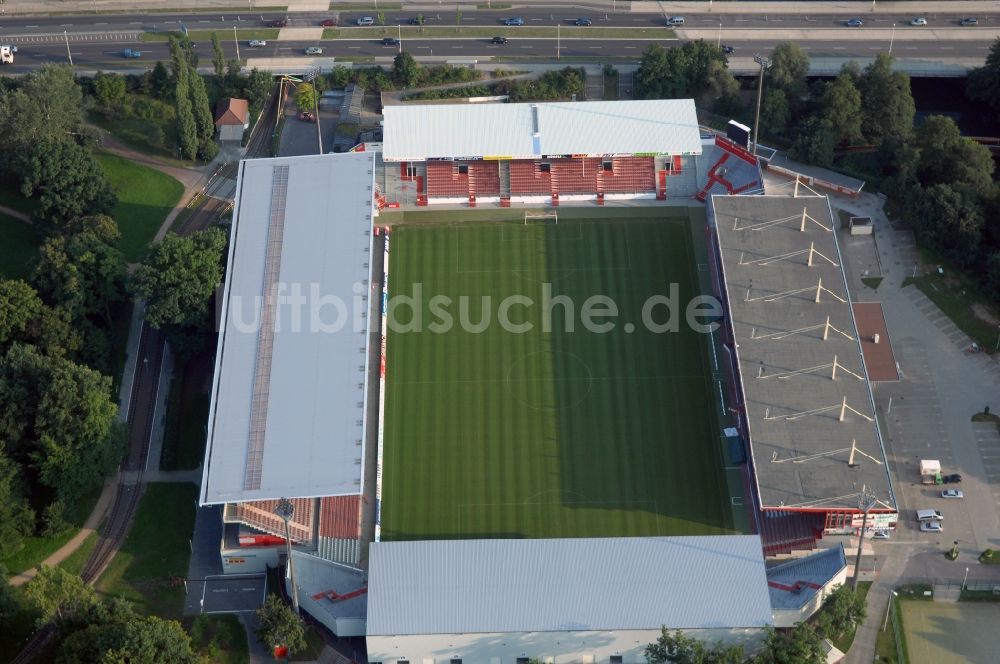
(556,431)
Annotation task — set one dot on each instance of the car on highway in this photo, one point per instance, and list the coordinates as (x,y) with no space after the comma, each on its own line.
(256,43)
(329,23)
(314,50)
(279,23)
(366,20)
(918,20)
(583,21)
(855,23)
(675,20)
(931,527)
(514,21)
(952,493)
(390,41)
(969,20)
(132,53)
(727,49)
(954,478)
(499,40)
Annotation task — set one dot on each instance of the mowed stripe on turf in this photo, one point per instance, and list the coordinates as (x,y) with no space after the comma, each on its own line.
(561,434)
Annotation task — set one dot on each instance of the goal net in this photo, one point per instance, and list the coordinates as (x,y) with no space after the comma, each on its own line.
(541,217)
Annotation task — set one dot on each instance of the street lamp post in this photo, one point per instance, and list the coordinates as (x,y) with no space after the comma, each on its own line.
(719,42)
(885,623)
(236,40)
(966,578)
(866,501)
(68,52)
(765,63)
(892,38)
(284,511)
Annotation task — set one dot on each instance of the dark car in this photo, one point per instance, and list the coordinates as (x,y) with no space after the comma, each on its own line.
(390,41)
(954,478)
(583,20)
(971,20)
(279,23)
(727,49)
(329,23)
(417,20)
(498,40)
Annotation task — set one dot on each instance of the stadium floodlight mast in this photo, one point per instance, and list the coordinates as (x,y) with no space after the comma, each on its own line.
(866,501)
(765,63)
(284,510)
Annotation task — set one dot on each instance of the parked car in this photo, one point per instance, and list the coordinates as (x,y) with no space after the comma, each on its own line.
(366,20)
(952,493)
(583,21)
(514,21)
(969,20)
(307,116)
(256,43)
(390,41)
(727,49)
(855,23)
(954,478)
(279,23)
(132,53)
(329,23)
(931,527)
(919,20)
(498,40)
(675,20)
(314,50)
(881,534)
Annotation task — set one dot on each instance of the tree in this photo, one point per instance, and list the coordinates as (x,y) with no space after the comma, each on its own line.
(947,157)
(159,81)
(722,90)
(800,645)
(843,610)
(218,57)
(48,104)
(112,633)
(405,70)
(305,96)
(258,86)
(110,94)
(66,179)
(677,648)
(788,72)
(814,141)
(658,76)
(949,219)
(200,107)
(984,82)
(775,113)
(187,126)
(17,519)
(19,307)
(886,103)
(179,278)
(8,601)
(279,626)
(58,595)
(58,420)
(841,109)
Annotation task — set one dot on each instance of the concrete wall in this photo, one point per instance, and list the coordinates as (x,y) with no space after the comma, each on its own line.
(550,647)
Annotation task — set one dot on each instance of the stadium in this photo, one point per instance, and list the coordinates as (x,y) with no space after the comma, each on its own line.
(480,359)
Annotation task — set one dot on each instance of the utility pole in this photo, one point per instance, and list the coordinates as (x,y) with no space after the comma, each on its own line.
(68,52)
(557,40)
(866,501)
(719,43)
(284,511)
(236,40)
(399,37)
(765,64)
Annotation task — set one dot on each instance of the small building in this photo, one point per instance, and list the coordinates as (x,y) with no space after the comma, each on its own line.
(561,600)
(799,586)
(232,117)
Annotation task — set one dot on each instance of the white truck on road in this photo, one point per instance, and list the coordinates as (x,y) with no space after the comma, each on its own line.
(7,55)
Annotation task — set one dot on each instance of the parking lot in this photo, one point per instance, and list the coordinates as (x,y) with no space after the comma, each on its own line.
(233,593)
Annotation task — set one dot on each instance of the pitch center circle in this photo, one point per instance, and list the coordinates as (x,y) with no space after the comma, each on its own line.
(572,384)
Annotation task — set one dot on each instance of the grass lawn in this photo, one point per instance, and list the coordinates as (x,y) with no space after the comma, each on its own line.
(145,198)
(76,560)
(611,86)
(187,414)
(220,638)
(206,35)
(548,433)
(845,642)
(11,196)
(950,632)
(872,282)
(121,319)
(136,132)
(19,244)
(37,549)
(156,552)
(470,32)
(960,299)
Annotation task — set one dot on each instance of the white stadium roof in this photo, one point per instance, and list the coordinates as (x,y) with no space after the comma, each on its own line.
(507,131)
(287,417)
(544,585)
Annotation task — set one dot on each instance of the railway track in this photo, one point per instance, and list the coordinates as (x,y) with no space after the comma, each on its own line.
(140,420)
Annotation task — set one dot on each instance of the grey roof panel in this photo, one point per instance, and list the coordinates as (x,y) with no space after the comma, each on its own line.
(316,377)
(662,126)
(526,585)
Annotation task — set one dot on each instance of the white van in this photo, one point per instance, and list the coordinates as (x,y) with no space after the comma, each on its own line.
(675,20)
(929,515)
(366,20)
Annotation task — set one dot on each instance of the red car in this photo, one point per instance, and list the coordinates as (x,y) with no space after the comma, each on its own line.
(329,23)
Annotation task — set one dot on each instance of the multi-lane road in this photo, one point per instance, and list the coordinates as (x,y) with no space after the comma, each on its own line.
(99,41)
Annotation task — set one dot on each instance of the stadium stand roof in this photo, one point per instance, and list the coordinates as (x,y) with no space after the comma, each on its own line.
(795,582)
(809,406)
(286,416)
(506,131)
(437,587)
